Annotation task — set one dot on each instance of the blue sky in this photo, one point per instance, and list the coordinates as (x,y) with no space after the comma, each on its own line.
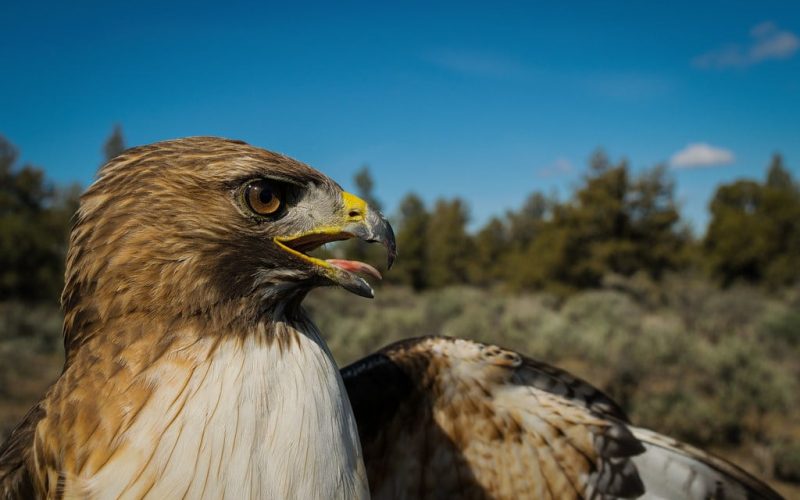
(488,103)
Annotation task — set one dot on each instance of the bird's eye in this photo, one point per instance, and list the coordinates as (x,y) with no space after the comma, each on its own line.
(263,197)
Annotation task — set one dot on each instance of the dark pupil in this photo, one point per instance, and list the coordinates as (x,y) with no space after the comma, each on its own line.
(265,195)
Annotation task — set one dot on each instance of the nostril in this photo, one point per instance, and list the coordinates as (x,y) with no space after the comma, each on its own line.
(354,213)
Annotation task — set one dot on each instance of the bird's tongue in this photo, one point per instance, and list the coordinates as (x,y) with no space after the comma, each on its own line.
(355,266)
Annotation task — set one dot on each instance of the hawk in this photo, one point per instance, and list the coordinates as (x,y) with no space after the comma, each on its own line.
(192,370)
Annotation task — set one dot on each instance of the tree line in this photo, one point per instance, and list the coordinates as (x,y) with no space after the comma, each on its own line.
(35,218)
(617,222)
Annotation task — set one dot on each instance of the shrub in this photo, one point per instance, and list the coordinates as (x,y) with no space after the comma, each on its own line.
(787,462)
(782,329)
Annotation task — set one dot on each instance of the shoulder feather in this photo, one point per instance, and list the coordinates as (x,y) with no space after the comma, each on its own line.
(16,479)
(441,417)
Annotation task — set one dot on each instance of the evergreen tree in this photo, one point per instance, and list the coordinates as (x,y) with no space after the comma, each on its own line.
(778,177)
(412,267)
(654,217)
(490,253)
(754,234)
(365,187)
(114,145)
(781,214)
(614,224)
(599,163)
(8,156)
(525,223)
(449,245)
(34,222)
(357,249)
(735,242)
(602,224)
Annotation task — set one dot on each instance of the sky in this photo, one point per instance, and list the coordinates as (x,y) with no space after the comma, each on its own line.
(486,102)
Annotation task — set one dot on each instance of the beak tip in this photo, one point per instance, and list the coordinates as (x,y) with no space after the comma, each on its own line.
(368,293)
(380,231)
(358,286)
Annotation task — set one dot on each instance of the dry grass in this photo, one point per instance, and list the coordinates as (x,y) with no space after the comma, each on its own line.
(719,369)
(31,356)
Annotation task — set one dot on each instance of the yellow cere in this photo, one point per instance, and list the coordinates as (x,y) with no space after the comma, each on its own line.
(352,204)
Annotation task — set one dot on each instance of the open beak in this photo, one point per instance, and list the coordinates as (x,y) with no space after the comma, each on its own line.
(357,220)
(371,227)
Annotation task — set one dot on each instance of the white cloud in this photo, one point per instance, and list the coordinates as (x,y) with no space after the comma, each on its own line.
(767,41)
(478,63)
(561,166)
(628,86)
(701,154)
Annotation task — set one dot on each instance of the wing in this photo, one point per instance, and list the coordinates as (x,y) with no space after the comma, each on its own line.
(448,418)
(671,469)
(16,480)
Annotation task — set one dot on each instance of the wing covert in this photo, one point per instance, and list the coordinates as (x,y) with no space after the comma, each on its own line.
(450,418)
(441,417)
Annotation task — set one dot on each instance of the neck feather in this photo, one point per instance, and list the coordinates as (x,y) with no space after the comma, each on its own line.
(259,413)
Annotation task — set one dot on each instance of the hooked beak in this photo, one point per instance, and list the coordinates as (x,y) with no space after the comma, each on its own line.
(372,228)
(357,220)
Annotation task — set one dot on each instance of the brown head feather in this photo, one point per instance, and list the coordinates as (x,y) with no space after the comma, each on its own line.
(168,261)
(159,233)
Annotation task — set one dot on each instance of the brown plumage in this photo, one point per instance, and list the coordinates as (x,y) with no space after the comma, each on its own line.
(450,418)
(192,370)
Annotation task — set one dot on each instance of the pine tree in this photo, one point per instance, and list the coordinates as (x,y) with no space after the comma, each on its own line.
(34,222)
(781,219)
(526,222)
(615,224)
(490,249)
(654,217)
(412,267)
(736,244)
(778,177)
(449,245)
(114,145)
(365,187)
(754,234)
(357,249)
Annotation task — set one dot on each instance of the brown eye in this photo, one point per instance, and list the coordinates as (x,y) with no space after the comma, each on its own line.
(262,197)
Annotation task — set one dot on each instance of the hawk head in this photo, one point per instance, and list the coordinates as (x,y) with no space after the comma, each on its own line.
(191,225)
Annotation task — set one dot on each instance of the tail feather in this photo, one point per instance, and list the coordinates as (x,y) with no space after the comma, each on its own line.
(670,469)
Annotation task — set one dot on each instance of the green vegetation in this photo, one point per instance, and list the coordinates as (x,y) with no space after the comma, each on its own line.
(31,356)
(709,366)
(699,339)
(755,230)
(34,222)
(616,224)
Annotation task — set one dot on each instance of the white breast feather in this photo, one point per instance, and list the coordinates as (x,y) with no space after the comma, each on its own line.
(251,421)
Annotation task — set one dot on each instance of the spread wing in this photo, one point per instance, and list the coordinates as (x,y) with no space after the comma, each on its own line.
(15,476)
(449,418)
